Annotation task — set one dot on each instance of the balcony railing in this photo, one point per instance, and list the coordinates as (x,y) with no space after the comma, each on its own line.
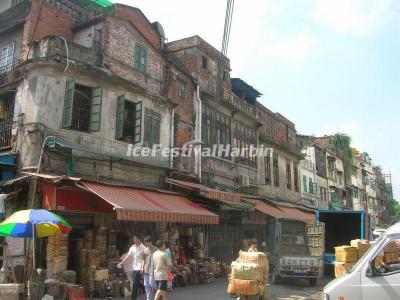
(239,103)
(10,73)
(6,125)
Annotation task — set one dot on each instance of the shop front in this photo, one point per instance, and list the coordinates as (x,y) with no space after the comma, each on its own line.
(105,218)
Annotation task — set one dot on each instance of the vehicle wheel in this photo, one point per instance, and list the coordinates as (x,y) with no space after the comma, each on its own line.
(312,281)
(276,279)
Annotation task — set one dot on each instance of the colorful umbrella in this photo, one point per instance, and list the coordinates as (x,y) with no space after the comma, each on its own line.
(33,223)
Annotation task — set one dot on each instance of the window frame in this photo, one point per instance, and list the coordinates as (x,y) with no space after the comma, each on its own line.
(152,119)
(275,167)
(288,167)
(141,52)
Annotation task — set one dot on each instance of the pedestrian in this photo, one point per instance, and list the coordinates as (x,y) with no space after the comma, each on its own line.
(253,246)
(148,268)
(136,252)
(162,264)
(128,269)
(170,275)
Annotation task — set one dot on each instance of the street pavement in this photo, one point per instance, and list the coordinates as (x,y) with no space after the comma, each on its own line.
(293,290)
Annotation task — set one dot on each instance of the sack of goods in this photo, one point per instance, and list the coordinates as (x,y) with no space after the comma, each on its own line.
(249,275)
(346,254)
(247,271)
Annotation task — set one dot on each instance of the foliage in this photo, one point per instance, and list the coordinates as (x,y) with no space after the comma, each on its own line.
(341,144)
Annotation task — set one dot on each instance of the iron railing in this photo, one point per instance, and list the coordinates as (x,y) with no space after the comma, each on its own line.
(10,73)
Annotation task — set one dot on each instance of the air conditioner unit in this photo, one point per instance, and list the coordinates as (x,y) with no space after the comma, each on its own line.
(244,180)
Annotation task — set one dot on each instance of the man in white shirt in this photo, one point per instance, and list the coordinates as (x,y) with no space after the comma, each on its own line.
(162,264)
(136,253)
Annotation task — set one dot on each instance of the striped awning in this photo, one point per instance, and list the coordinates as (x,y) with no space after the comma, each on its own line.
(133,204)
(268,209)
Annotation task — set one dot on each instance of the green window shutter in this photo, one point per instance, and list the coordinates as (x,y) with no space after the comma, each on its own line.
(68,104)
(138,122)
(305,183)
(95,109)
(147,128)
(119,123)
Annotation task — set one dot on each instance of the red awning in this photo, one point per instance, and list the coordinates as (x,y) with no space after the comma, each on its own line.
(268,209)
(133,204)
(282,211)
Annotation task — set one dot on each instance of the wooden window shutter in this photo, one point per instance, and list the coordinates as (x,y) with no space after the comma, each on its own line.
(68,104)
(138,122)
(136,64)
(95,109)
(119,119)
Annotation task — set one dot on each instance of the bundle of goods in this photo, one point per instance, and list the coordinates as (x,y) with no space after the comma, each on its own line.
(361,245)
(346,257)
(249,274)
(57,255)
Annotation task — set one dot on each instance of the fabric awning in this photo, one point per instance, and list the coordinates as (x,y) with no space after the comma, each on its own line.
(133,204)
(267,209)
(282,211)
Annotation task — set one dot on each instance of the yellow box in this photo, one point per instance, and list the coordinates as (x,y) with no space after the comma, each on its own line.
(342,267)
(346,254)
(362,248)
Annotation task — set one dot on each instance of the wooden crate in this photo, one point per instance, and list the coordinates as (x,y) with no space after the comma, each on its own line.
(342,267)
(346,254)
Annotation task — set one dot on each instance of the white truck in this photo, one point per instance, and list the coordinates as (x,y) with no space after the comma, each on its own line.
(296,250)
(374,276)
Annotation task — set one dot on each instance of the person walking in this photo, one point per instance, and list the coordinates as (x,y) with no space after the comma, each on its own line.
(128,269)
(148,268)
(136,252)
(162,264)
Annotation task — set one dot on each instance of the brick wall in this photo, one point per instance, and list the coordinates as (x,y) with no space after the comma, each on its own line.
(54,20)
(139,20)
(119,53)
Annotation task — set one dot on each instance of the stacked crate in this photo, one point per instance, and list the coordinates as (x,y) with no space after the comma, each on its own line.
(57,255)
(346,257)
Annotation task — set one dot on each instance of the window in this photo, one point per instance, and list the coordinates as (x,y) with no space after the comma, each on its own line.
(204,62)
(354,192)
(305,183)
(152,124)
(296,177)
(339,175)
(288,175)
(216,128)
(386,261)
(310,185)
(128,120)
(181,89)
(244,138)
(140,59)
(7,57)
(275,166)
(97,40)
(331,167)
(268,168)
(333,194)
(82,107)
(322,192)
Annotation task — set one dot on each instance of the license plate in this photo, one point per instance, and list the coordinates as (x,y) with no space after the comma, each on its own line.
(301,270)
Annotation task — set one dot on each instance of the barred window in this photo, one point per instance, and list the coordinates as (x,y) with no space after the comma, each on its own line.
(288,175)
(268,168)
(276,169)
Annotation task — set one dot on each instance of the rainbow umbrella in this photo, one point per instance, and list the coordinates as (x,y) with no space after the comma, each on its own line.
(33,223)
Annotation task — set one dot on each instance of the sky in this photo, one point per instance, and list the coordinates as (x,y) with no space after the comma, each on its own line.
(328,66)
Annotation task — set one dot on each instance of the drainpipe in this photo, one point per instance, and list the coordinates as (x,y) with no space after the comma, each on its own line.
(198,132)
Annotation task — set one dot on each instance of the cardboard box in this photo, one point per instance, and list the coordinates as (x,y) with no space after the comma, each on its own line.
(342,267)
(362,248)
(346,254)
(101,275)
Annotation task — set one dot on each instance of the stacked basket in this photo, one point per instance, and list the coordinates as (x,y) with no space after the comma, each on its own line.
(249,274)
(57,255)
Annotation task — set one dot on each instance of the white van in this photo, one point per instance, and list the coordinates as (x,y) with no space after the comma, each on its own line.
(371,278)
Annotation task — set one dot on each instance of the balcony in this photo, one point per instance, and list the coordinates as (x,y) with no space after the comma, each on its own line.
(238,103)
(10,73)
